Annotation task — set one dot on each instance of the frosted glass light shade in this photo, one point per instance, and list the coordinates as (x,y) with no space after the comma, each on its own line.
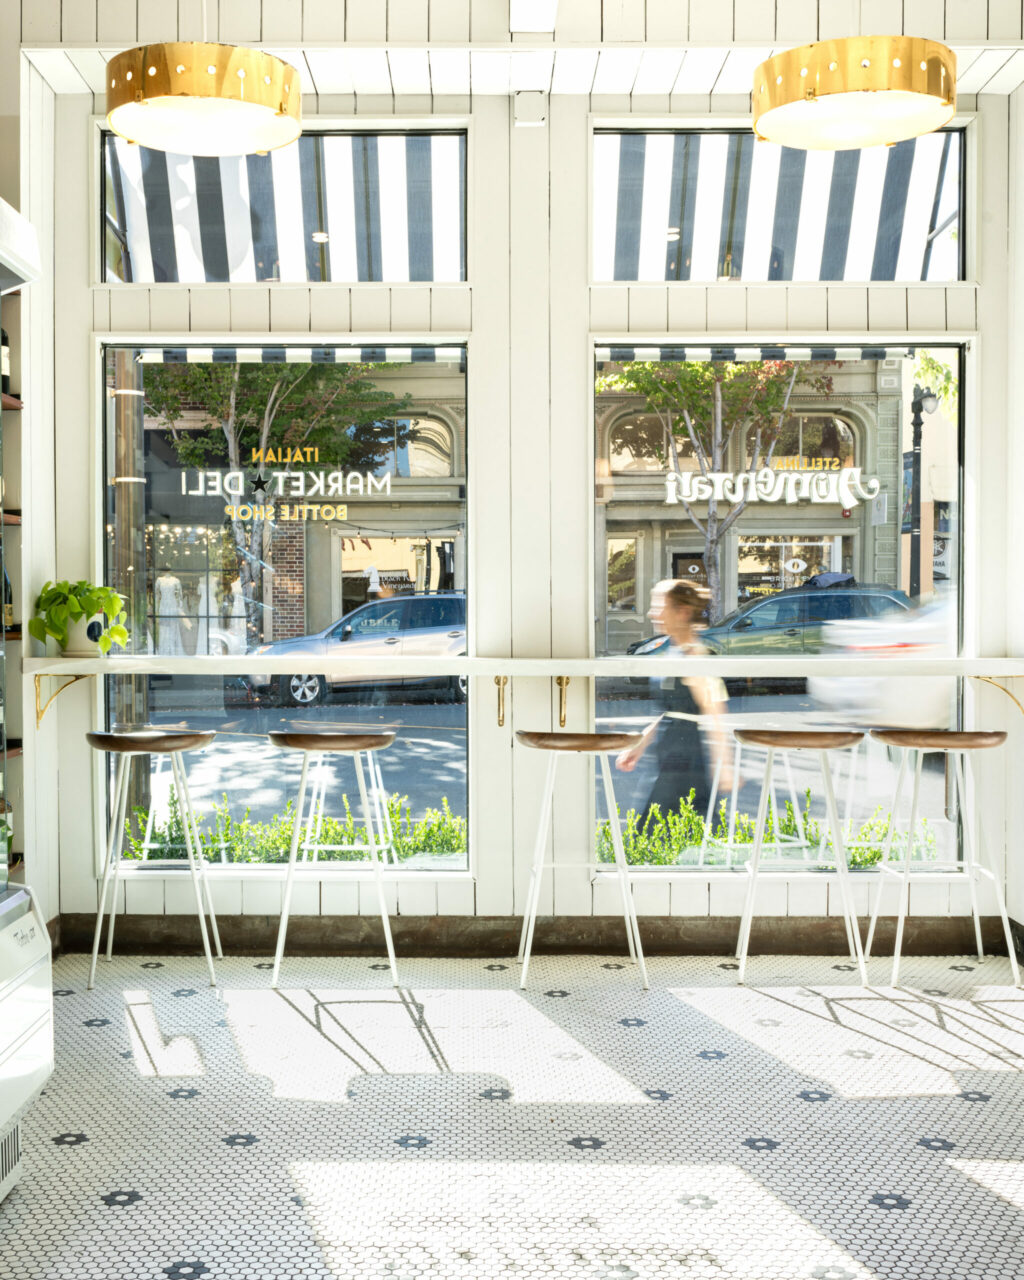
(864,91)
(204,99)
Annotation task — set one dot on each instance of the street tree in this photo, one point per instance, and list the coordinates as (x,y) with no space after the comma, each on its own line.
(227,414)
(702,405)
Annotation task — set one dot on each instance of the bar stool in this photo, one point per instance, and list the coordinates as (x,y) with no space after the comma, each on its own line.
(821,741)
(317,743)
(958,746)
(156,742)
(597,744)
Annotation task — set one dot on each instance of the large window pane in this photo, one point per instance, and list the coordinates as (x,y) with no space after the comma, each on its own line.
(723,206)
(817,514)
(340,206)
(257,503)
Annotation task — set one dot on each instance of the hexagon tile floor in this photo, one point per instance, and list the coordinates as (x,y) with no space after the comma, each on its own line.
(799,1127)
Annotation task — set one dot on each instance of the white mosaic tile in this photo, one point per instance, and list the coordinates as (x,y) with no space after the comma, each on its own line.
(798,1128)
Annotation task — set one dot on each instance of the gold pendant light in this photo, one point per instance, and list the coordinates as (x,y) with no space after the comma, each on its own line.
(203,99)
(860,92)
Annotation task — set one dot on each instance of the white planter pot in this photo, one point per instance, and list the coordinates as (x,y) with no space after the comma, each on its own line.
(79,644)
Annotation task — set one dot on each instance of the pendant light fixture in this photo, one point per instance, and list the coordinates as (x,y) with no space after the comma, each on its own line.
(201,99)
(863,91)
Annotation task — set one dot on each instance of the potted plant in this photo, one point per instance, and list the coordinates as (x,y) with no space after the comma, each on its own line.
(81,617)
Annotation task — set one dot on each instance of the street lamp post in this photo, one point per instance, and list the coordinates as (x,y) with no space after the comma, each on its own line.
(927,401)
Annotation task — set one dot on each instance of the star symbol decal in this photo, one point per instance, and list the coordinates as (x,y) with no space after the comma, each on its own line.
(259,486)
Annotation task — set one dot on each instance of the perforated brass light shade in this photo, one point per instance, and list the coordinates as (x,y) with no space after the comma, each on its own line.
(859,92)
(203,99)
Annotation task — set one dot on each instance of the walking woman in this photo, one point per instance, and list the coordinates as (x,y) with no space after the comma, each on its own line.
(679,744)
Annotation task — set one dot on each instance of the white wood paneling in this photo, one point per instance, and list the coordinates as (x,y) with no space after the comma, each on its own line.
(982,69)
(250,311)
(623,20)
(925,18)
(282,21)
(209,309)
(578,20)
(668,21)
(1004,20)
(59,71)
(711,24)
(796,21)
(330,309)
(727,308)
(451,309)
(371,310)
(408,20)
(169,309)
(648,308)
(289,309)
(366,21)
(966,21)
(117,22)
(449,20)
(753,20)
(324,20)
(887,309)
(129,310)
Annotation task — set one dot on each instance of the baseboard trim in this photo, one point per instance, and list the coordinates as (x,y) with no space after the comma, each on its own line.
(498,936)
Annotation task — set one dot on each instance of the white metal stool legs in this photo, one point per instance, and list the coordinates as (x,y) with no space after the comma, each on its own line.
(752,867)
(977,868)
(842,872)
(537,869)
(194,855)
(628,905)
(286,902)
(200,860)
(371,840)
(883,866)
(114,837)
(904,890)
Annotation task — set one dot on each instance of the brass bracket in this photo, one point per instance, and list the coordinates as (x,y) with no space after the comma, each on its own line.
(501,682)
(43,707)
(563,692)
(996,685)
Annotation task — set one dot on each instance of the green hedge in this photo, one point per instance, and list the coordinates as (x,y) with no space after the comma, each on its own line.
(663,840)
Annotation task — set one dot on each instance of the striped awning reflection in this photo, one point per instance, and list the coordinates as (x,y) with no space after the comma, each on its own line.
(302,355)
(713,206)
(331,207)
(741,355)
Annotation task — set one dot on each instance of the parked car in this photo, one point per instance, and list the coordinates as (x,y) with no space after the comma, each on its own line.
(428,624)
(920,702)
(794,621)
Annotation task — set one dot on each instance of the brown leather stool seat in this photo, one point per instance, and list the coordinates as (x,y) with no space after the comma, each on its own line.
(800,739)
(329,741)
(150,742)
(577,741)
(940,739)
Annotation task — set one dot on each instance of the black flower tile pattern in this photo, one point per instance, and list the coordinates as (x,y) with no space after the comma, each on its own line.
(936,1144)
(121,1199)
(69,1139)
(152,964)
(556,994)
(96,1022)
(184,992)
(63,991)
(495,968)
(264,964)
(613,966)
(632,1022)
(883,1201)
(474,1134)
(760,1144)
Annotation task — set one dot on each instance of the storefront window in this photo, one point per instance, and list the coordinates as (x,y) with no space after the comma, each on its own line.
(819,517)
(622,571)
(302,504)
(720,205)
(337,206)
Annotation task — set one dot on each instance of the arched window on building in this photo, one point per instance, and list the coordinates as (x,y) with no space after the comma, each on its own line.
(429,449)
(639,443)
(408,448)
(804,439)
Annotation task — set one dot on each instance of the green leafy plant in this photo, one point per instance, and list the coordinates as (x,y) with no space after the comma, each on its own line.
(227,839)
(62,603)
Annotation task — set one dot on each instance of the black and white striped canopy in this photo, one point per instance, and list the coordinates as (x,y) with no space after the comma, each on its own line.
(619,355)
(710,206)
(302,355)
(340,207)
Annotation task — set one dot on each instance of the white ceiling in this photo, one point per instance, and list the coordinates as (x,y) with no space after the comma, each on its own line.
(398,72)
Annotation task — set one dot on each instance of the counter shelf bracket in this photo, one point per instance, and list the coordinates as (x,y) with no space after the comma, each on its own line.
(43,707)
(563,694)
(1002,689)
(501,682)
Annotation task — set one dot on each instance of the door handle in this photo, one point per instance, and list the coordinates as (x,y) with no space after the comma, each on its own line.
(391,640)
(792,631)
(455,634)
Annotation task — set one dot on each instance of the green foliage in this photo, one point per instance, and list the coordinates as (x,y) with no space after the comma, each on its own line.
(224,411)
(942,376)
(226,839)
(61,603)
(673,838)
